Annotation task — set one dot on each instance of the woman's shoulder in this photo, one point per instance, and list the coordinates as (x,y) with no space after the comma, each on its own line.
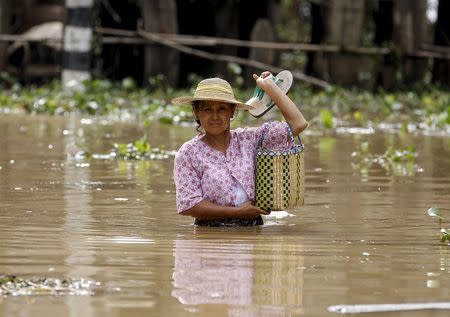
(257,129)
(188,148)
(243,130)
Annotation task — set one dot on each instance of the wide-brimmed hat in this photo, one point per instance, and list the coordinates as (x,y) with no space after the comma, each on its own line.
(211,89)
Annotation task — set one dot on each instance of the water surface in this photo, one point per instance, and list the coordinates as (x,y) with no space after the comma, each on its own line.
(363,236)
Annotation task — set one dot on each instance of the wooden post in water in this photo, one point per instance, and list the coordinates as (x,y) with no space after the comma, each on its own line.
(4,28)
(76,59)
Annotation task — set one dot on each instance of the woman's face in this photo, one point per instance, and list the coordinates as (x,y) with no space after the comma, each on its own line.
(215,116)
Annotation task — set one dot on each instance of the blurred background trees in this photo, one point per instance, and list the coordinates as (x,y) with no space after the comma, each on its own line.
(362,43)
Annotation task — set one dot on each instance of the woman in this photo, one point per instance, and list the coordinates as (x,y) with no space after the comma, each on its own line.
(214,172)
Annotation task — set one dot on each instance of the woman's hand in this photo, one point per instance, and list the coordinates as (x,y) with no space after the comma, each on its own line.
(264,80)
(248,211)
(287,107)
(209,210)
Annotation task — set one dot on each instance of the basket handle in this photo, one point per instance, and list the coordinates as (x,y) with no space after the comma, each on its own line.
(291,135)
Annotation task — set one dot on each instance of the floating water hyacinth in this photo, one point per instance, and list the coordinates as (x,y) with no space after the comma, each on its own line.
(445,235)
(11,285)
(399,162)
(435,212)
(137,150)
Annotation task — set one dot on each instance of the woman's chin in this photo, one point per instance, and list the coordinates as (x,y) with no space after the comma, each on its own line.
(216,130)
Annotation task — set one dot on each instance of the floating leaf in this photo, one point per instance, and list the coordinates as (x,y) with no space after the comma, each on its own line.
(435,212)
(445,235)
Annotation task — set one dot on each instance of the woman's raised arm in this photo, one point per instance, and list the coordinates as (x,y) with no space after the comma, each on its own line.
(288,109)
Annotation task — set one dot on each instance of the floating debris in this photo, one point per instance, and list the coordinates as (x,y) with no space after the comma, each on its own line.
(11,285)
(372,308)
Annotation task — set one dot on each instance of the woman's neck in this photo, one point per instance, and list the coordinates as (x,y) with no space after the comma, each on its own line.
(219,142)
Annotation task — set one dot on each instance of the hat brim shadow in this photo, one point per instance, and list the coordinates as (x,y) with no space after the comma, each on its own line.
(188,100)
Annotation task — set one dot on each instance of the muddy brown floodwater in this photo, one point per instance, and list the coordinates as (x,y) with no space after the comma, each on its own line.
(362,237)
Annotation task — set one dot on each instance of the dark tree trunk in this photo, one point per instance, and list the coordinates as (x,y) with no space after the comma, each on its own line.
(114,58)
(4,28)
(192,20)
(226,25)
(409,33)
(441,67)
(317,36)
(249,14)
(343,28)
(227,18)
(262,31)
(383,20)
(160,16)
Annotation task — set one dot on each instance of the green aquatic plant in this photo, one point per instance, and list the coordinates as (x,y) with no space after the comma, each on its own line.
(139,150)
(437,213)
(445,235)
(399,162)
(17,286)
(427,108)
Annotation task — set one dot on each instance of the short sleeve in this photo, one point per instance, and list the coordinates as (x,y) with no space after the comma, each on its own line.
(276,136)
(187,181)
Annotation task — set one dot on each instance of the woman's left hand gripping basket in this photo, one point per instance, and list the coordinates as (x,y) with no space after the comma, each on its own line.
(279,176)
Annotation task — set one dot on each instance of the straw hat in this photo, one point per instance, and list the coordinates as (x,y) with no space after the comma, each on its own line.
(212,89)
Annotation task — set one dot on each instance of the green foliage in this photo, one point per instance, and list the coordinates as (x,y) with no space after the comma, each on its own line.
(420,110)
(398,162)
(326,118)
(437,213)
(139,150)
(445,235)
(426,108)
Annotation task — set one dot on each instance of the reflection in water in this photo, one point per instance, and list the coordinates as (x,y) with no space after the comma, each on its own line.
(212,272)
(252,279)
(77,219)
(356,240)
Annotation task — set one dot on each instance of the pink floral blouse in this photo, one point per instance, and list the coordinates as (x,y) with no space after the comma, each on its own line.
(201,172)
